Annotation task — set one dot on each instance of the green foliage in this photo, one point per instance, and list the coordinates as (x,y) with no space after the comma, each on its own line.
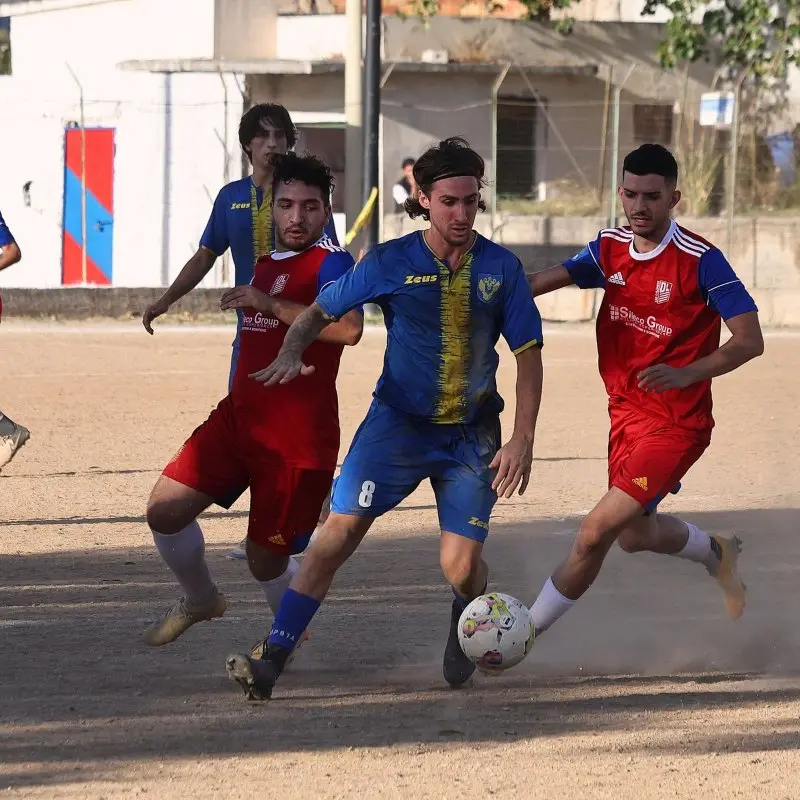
(759,37)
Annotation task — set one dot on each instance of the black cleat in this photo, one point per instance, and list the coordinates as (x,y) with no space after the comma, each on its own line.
(457,668)
(257,676)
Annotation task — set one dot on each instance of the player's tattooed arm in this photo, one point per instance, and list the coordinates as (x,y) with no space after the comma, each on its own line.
(745,344)
(346,331)
(289,363)
(548,280)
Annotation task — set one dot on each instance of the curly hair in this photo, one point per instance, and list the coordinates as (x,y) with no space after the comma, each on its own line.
(450,158)
(307,169)
(253,119)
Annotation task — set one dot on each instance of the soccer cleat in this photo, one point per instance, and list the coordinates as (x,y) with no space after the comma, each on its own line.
(181,617)
(257,650)
(457,668)
(257,676)
(239,552)
(12,438)
(727,576)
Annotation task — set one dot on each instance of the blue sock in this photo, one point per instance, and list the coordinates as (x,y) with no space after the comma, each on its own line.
(461,601)
(294,614)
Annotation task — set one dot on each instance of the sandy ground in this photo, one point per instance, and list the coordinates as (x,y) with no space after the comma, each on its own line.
(645,690)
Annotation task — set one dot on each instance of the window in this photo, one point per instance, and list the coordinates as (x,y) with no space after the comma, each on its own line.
(652,123)
(516,147)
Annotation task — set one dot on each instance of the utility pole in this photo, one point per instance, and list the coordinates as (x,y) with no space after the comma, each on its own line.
(372,115)
(353,112)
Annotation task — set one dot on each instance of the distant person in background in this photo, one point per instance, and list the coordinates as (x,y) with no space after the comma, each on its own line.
(12,436)
(402,190)
(242,221)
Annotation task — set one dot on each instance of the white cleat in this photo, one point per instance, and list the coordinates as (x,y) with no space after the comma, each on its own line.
(181,617)
(12,438)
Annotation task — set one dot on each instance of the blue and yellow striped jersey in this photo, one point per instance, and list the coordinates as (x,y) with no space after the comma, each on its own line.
(443,326)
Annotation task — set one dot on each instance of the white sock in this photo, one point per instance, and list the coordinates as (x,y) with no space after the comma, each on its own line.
(698,548)
(184,554)
(274,589)
(550,605)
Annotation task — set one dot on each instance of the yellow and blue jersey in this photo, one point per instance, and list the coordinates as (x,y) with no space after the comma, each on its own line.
(443,326)
(242,220)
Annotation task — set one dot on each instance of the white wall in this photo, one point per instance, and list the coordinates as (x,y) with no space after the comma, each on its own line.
(40,97)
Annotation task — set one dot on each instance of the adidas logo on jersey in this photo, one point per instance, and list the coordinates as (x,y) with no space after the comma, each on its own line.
(641,483)
(277,539)
(617,278)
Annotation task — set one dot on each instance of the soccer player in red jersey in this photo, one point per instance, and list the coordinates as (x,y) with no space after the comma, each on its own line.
(658,342)
(283,441)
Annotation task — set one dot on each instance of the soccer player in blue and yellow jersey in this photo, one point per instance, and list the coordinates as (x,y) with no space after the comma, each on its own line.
(447,295)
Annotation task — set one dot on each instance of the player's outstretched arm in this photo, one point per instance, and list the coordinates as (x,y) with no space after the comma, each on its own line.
(745,344)
(548,280)
(514,460)
(289,364)
(195,269)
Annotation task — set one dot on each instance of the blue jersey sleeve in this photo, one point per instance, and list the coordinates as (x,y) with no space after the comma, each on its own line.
(522,324)
(215,236)
(720,286)
(584,267)
(362,284)
(330,231)
(5,233)
(337,264)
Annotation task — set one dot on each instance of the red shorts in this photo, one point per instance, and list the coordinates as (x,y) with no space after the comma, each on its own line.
(647,457)
(285,500)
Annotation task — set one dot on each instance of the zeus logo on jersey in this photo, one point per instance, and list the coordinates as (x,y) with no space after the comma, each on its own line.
(421,279)
(649,325)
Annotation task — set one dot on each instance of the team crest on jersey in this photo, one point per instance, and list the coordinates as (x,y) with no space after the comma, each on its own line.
(663,291)
(488,287)
(279,285)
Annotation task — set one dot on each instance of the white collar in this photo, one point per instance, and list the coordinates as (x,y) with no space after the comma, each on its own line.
(284,254)
(637,256)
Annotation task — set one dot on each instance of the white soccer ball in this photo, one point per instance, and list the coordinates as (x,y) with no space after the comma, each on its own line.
(496,632)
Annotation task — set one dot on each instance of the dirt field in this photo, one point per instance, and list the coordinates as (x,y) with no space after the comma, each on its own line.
(645,690)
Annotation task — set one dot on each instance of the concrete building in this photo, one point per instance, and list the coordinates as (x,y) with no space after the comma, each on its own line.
(163,84)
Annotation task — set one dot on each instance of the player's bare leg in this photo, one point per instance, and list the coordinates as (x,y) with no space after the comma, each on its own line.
(664,533)
(596,535)
(335,542)
(467,573)
(12,438)
(172,512)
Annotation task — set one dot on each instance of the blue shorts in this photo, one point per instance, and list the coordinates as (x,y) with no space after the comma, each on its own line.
(392,453)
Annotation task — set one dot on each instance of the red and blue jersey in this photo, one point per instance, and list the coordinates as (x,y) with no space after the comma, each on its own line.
(441,363)
(660,307)
(242,221)
(299,419)
(5,233)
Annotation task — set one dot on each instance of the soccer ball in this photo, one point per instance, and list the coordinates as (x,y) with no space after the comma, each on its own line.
(496,632)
